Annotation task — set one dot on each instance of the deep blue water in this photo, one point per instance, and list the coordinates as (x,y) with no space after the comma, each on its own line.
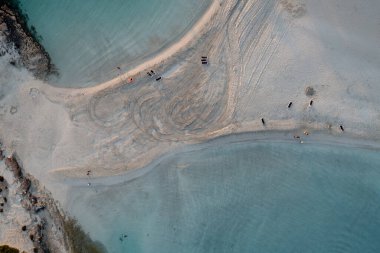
(247,197)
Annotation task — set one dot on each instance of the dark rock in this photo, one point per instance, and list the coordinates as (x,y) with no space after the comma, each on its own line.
(7,249)
(32,55)
(14,167)
(25,185)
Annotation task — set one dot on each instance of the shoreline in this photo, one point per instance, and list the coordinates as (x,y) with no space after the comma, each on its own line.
(253,130)
(34,219)
(315,137)
(91,110)
(157,60)
(165,54)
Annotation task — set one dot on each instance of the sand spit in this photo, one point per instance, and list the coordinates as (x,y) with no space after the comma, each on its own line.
(262,55)
(157,60)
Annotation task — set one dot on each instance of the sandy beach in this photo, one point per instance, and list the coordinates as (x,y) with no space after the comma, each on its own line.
(256,67)
(262,55)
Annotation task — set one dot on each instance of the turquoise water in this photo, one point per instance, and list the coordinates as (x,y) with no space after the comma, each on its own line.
(88,40)
(247,197)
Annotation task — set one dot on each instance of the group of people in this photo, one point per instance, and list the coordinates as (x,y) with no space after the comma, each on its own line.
(306,132)
(204,60)
(153,74)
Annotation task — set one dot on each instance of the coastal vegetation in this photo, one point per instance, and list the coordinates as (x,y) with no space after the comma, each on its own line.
(8,249)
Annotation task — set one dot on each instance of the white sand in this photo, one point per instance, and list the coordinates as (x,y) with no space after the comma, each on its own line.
(262,55)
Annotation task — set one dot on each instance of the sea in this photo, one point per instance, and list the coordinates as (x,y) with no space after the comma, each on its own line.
(250,196)
(93,41)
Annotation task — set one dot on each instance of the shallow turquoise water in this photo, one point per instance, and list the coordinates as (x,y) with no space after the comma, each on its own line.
(263,197)
(89,39)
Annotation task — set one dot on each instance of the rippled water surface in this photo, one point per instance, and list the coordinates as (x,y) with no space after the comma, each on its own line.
(87,40)
(263,197)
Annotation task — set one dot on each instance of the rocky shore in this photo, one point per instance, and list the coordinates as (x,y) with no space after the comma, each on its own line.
(46,228)
(15,33)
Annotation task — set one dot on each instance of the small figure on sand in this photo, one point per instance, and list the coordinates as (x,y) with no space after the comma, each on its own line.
(311,103)
(263,121)
(88,173)
(341,128)
(204,60)
(290,104)
(152,74)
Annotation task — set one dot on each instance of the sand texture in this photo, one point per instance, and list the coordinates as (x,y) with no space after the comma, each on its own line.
(262,55)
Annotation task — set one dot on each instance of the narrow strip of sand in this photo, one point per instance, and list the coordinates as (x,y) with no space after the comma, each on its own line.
(159,58)
(317,137)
